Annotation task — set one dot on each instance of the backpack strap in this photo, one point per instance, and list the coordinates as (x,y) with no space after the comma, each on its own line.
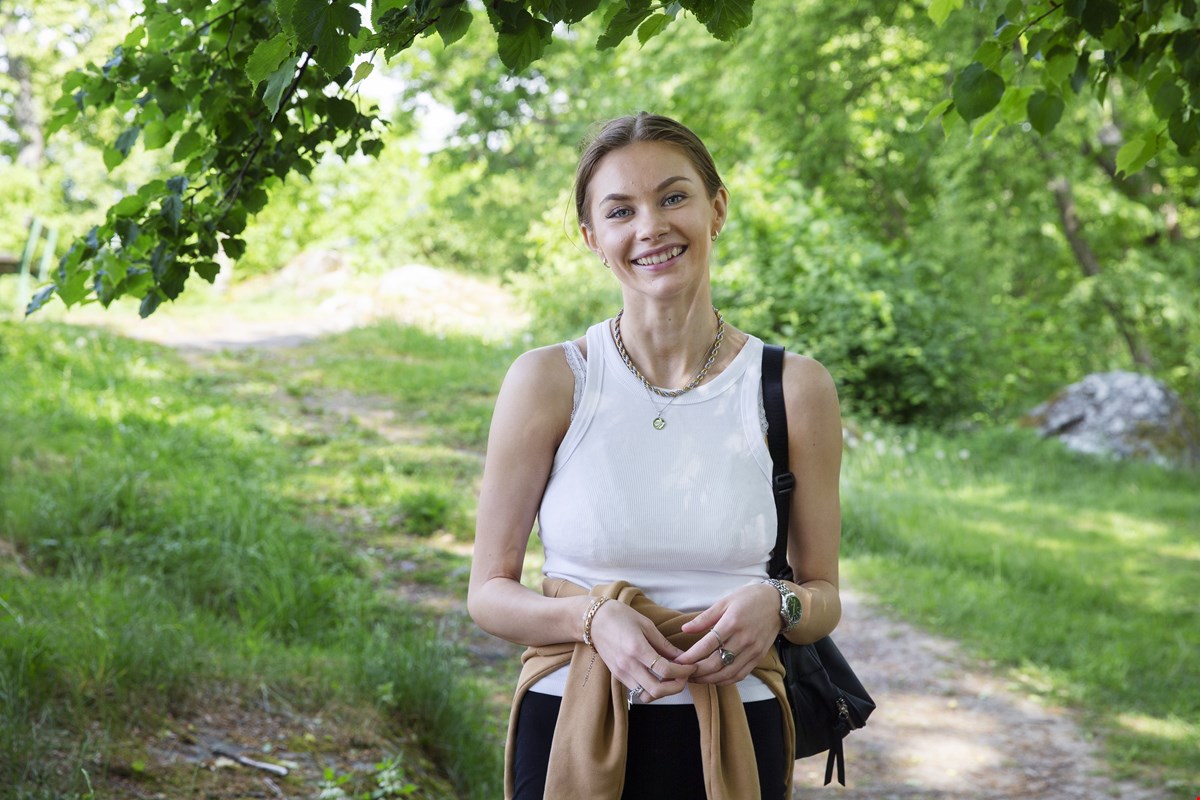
(782,480)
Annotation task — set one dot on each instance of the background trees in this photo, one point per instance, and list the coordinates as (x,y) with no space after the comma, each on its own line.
(953,245)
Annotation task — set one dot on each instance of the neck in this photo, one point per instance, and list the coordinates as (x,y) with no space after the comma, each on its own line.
(669,345)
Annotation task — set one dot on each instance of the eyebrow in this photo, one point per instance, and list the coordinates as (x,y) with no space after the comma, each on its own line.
(658,188)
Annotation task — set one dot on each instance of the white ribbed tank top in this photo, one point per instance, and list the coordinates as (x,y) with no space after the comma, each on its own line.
(685,513)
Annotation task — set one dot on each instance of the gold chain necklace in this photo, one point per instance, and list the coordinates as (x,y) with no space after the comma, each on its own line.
(659,423)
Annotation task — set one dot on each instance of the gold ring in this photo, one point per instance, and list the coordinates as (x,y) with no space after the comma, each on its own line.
(651,668)
(720,641)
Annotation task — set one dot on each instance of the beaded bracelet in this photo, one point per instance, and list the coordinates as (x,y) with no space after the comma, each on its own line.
(587,620)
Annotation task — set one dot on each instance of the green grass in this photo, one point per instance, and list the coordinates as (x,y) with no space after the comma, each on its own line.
(155,547)
(1077,575)
(248,523)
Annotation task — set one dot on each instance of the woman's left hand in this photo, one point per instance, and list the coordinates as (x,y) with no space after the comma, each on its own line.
(745,623)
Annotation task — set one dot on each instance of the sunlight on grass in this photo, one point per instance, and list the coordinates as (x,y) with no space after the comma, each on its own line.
(1173,729)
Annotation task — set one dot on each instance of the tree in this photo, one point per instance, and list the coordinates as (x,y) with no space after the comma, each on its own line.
(1042,53)
(248,92)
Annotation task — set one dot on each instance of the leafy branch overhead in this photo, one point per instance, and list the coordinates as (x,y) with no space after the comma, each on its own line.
(1042,54)
(244,93)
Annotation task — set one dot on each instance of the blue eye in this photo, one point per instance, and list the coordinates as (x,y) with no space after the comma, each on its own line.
(674,198)
(617,213)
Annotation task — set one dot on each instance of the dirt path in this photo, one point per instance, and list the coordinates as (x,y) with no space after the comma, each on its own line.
(945,729)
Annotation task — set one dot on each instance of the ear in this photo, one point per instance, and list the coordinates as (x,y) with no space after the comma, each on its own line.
(589,238)
(720,208)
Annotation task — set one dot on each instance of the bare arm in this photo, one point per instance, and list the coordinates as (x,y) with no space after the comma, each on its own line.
(815,530)
(531,416)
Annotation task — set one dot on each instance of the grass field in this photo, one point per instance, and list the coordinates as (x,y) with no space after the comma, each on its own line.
(183,538)
(1078,577)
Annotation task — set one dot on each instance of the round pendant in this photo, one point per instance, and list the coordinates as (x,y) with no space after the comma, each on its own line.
(659,423)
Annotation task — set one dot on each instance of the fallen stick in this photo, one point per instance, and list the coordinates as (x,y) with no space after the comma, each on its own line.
(274,769)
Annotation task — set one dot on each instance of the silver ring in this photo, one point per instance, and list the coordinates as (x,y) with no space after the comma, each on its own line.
(634,694)
(720,641)
(727,656)
(651,668)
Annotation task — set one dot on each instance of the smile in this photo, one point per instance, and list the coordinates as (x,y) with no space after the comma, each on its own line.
(659,258)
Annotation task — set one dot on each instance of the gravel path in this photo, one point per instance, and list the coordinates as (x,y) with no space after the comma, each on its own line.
(946,729)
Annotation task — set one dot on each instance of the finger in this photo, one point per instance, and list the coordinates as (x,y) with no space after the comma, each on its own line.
(704,620)
(662,645)
(705,646)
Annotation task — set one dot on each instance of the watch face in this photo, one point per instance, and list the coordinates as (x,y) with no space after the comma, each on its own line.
(791,608)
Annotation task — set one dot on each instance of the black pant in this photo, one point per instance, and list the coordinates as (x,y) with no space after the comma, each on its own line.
(664,750)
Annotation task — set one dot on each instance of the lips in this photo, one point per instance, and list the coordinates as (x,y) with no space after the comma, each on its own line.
(660,257)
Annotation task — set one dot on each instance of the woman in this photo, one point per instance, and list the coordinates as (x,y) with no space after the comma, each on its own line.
(653,633)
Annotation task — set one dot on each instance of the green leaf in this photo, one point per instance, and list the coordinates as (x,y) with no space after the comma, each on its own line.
(127,139)
(156,134)
(989,54)
(172,210)
(189,143)
(133,39)
(112,157)
(976,91)
(452,23)
(128,206)
(1045,110)
(525,45)
(362,71)
(940,10)
(937,111)
(652,27)
(267,57)
(729,17)
(578,10)
(1185,133)
(277,83)
(330,26)
(1100,15)
(1167,99)
(234,248)
(340,111)
(621,26)
(1135,153)
(207,270)
(40,298)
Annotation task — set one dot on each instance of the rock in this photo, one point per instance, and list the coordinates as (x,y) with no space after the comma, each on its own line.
(1124,415)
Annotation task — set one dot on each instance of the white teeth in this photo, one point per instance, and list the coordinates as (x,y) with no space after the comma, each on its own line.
(650,261)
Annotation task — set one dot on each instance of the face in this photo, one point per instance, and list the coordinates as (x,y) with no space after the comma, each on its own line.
(652,219)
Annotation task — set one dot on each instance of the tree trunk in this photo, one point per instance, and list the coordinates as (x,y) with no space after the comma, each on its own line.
(31,142)
(1090,266)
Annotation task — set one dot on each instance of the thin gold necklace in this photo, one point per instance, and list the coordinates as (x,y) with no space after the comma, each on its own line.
(659,423)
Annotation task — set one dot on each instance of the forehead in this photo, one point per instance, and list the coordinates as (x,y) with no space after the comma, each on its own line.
(639,168)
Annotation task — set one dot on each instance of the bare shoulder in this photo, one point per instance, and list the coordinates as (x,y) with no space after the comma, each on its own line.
(537,394)
(809,391)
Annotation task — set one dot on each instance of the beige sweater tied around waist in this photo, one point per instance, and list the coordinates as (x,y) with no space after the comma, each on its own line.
(587,755)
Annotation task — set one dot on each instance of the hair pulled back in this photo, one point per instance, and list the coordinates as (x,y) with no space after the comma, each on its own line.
(643,127)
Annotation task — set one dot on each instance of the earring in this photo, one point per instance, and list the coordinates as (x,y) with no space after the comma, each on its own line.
(715,235)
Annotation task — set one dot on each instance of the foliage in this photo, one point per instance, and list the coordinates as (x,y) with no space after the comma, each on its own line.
(248,92)
(1041,52)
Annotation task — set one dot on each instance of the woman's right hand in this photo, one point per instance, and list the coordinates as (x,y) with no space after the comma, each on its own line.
(636,652)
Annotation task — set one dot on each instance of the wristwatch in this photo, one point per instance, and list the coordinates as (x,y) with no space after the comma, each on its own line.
(789,605)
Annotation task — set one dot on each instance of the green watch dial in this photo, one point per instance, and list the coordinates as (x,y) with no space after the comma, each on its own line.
(791,610)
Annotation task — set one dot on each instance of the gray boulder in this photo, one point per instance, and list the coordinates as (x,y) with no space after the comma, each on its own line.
(1121,414)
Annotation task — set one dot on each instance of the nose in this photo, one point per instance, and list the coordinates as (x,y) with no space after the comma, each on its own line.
(653,224)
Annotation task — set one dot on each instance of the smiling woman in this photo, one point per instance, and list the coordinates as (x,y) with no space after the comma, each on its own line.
(658,499)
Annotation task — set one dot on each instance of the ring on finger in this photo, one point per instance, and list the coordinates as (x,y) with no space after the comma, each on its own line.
(727,656)
(634,694)
(651,668)
(720,641)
